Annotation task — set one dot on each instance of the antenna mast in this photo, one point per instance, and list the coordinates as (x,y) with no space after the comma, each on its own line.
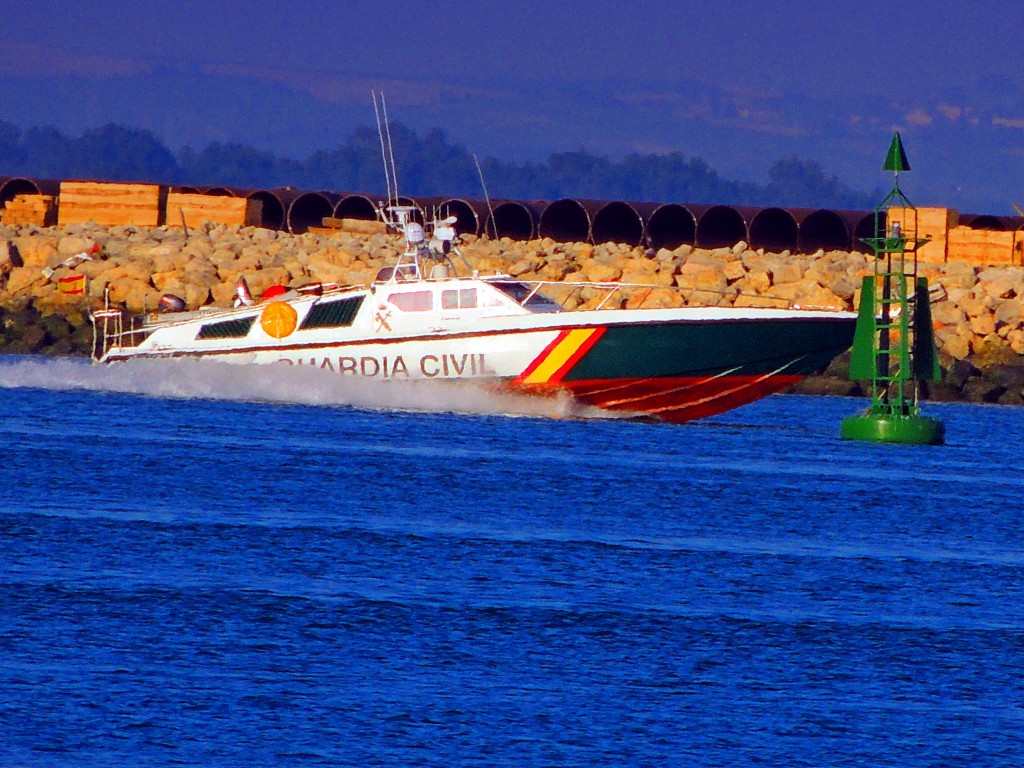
(391,148)
(487,198)
(383,151)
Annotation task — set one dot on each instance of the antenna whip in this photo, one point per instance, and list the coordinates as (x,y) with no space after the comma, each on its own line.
(487,198)
(383,152)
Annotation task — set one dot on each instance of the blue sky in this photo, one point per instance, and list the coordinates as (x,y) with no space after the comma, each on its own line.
(738,83)
(818,48)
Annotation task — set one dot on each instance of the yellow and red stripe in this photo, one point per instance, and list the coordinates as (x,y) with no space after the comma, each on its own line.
(559,356)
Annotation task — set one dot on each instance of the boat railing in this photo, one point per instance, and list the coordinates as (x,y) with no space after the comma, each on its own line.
(114,329)
(614,295)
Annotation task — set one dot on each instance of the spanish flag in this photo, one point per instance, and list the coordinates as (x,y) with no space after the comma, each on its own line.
(74,284)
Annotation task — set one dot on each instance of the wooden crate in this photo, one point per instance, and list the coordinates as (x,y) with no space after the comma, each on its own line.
(109,204)
(197,210)
(931,223)
(984,246)
(39,210)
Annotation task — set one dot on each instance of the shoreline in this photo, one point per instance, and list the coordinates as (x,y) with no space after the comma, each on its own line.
(978,319)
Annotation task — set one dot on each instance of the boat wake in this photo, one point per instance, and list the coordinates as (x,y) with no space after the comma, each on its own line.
(300,385)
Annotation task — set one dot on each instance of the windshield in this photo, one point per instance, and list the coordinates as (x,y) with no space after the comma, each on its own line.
(520,293)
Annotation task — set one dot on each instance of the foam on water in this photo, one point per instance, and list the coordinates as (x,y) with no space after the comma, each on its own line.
(300,385)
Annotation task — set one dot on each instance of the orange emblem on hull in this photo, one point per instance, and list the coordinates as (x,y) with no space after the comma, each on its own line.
(279,319)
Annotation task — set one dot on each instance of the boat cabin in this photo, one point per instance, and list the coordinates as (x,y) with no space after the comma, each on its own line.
(481,297)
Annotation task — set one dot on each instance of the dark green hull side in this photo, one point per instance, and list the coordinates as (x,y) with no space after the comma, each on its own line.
(752,347)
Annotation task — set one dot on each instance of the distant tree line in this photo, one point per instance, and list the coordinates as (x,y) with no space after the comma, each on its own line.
(428,164)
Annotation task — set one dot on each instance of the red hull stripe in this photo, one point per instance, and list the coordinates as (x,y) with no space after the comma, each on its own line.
(540,358)
(576,356)
(558,357)
(679,399)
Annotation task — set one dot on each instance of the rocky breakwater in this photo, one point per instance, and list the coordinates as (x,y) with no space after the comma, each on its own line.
(978,317)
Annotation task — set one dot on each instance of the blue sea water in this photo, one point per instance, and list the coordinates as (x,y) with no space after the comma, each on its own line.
(204,565)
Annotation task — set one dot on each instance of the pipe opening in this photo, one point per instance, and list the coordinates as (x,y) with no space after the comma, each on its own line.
(565,221)
(720,226)
(308,210)
(271,209)
(824,230)
(618,222)
(11,188)
(774,229)
(670,226)
(356,207)
(864,229)
(512,220)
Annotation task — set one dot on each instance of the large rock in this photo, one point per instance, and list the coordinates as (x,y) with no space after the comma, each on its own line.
(701,277)
(958,274)
(948,313)
(980,390)
(555,269)
(585,251)
(37,252)
(262,279)
(982,325)
(196,294)
(748,300)
(200,271)
(72,245)
(168,258)
(223,294)
(596,271)
(808,295)
(1010,277)
(953,343)
(21,280)
(757,280)
(734,270)
(327,272)
(1010,312)
(844,286)
(1015,340)
(973,307)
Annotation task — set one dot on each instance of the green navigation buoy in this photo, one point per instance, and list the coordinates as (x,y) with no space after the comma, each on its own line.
(894,346)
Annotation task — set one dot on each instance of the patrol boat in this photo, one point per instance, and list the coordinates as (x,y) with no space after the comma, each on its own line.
(421,319)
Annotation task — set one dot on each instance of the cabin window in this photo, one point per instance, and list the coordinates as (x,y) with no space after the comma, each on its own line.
(463,298)
(414,301)
(333,314)
(227,329)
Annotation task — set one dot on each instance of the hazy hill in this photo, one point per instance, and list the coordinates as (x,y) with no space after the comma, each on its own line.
(964,146)
(429,164)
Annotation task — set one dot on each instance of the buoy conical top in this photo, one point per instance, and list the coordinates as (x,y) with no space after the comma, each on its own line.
(896,160)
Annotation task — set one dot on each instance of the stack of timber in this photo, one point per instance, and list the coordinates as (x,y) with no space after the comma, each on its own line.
(949,241)
(192,210)
(933,224)
(30,209)
(109,204)
(984,246)
(352,226)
